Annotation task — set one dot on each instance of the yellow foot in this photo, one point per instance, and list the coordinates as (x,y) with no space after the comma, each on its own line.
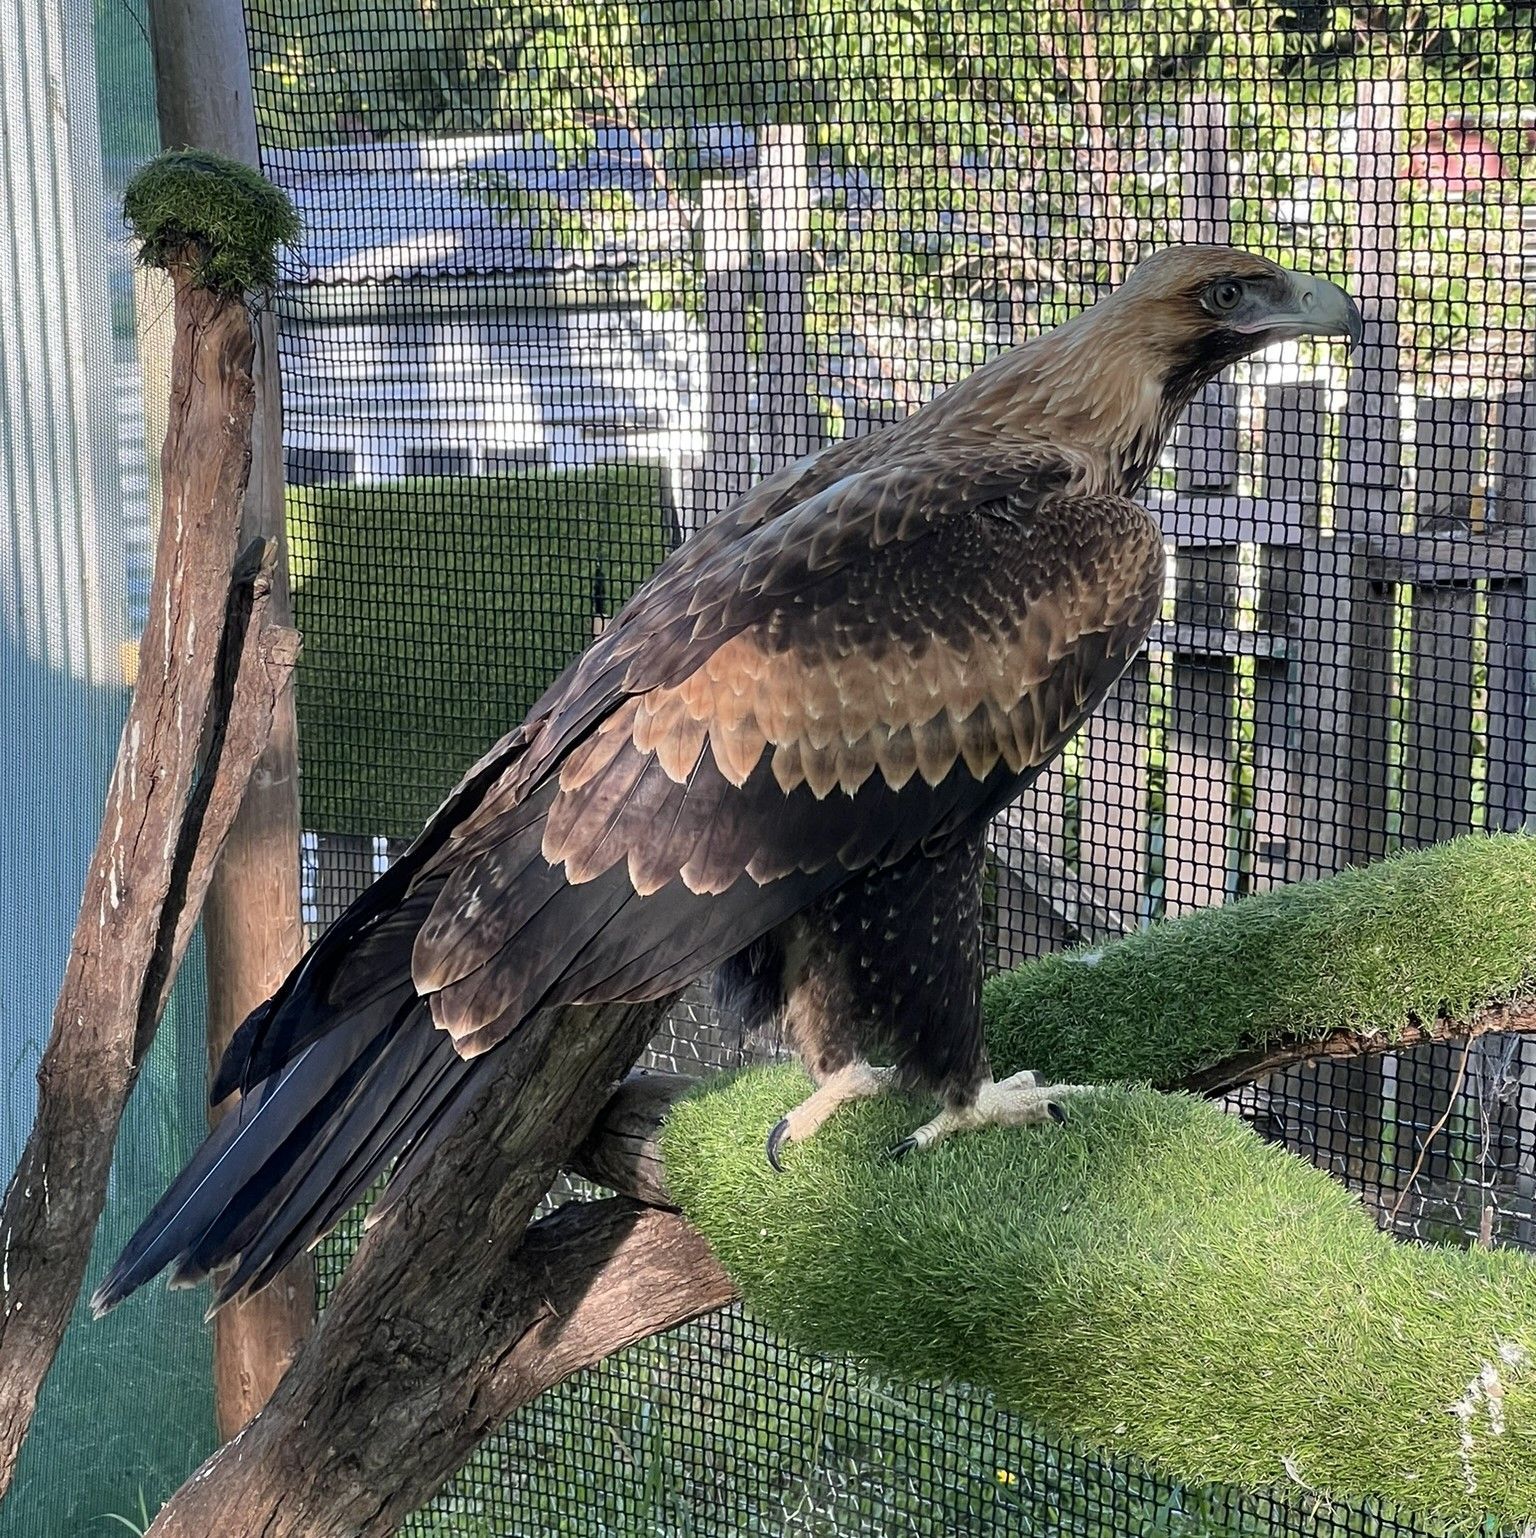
(1013,1102)
(858,1081)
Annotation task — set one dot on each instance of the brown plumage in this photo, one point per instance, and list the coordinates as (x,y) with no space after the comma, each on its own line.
(778,762)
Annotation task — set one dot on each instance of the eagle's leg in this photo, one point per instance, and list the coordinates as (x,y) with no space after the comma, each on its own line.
(1013,1102)
(856,1081)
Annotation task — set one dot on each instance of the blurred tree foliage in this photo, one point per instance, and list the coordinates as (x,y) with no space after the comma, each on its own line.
(981,165)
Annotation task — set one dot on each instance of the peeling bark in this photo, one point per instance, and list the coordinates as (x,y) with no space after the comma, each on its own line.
(200,714)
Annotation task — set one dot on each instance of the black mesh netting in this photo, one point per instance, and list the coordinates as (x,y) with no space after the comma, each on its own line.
(574,275)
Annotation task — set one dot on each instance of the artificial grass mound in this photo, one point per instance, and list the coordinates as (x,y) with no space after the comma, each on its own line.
(231,215)
(1440,931)
(1152,1279)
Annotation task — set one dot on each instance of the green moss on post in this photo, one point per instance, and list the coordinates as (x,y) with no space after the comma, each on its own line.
(1152,1279)
(231,216)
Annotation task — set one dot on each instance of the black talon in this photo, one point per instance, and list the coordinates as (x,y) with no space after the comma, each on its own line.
(902,1149)
(781,1127)
(1057,1113)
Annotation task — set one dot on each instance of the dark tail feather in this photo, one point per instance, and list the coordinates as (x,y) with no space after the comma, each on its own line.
(245,1164)
(405,1088)
(360,959)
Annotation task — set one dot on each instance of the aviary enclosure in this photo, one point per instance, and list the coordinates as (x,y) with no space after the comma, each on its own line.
(572,276)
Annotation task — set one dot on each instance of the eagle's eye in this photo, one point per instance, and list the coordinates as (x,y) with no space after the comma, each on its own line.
(1223,295)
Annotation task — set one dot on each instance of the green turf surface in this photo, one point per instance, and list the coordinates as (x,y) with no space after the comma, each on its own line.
(435,611)
(1154,1279)
(1441,930)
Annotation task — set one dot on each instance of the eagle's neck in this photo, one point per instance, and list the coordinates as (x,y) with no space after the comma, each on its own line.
(1092,393)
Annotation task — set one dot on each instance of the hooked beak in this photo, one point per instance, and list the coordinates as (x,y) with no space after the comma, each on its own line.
(1310,307)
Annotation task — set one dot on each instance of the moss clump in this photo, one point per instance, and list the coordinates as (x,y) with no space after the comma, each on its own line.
(1152,1279)
(229,214)
(1442,930)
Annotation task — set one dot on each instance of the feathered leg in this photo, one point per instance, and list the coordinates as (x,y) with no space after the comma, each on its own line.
(891,965)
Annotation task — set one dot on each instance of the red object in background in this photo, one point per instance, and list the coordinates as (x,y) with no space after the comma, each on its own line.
(1455,159)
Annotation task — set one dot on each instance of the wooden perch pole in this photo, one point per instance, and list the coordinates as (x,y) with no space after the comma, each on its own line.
(252,932)
(454,1311)
(210,668)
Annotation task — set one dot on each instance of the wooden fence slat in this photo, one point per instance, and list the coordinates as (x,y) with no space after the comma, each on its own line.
(1205,170)
(1199,867)
(1512,468)
(1369,498)
(1511,706)
(1449,490)
(1280,794)
(1199,851)
(1374,670)
(1298,703)
(1438,720)
(789,424)
(1512,619)
(726,251)
(1437,726)
(1112,797)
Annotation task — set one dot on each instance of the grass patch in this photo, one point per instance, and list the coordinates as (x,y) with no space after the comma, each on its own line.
(436,611)
(1442,930)
(1153,1280)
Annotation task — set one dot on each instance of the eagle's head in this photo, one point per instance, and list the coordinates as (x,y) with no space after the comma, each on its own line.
(1195,309)
(1106,388)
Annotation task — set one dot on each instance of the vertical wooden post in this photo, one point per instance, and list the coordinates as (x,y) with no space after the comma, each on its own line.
(727,469)
(1368,496)
(1369,499)
(790,426)
(1512,618)
(1200,867)
(1438,730)
(252,927)
(1300,700)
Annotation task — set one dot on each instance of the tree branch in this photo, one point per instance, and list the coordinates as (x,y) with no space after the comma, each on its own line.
(591,1279)
(159,839)
(426,1344)
(1296,1052)
(455,1313)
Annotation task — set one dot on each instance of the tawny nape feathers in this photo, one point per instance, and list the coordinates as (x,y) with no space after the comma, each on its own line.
(777,764)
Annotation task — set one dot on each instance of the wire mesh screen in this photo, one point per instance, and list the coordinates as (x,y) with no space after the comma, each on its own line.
(576,276)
